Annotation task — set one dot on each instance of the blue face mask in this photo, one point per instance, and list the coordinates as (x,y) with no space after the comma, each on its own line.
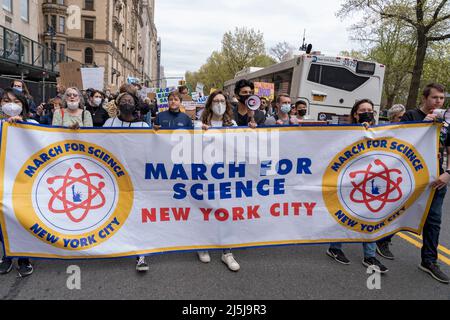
(286,108)
(20,90)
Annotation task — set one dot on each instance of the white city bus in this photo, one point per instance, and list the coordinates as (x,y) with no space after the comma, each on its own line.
(329,85)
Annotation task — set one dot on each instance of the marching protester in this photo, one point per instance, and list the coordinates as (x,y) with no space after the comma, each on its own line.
(22,88)
(395,115)
(72,115)
(243,116)
(282,117)
(362,113)
(15,106)
(219,114)
(264,106)
(127,113)
(433,98)
(95,107)
(302,109)
(173,118)
(45,111)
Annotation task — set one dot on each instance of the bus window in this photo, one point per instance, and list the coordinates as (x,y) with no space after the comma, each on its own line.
(283,81)
(335,77)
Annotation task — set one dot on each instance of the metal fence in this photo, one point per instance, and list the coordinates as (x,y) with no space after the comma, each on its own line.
(38,90)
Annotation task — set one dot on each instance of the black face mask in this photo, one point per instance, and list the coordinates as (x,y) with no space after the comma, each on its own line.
(302,113)
(243,99)
(366,117)
(127,108)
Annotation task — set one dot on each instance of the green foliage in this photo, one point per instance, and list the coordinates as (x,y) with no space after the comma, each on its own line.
(240,49)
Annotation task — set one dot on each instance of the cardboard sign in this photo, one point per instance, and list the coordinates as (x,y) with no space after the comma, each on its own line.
(266,90)
(70,74)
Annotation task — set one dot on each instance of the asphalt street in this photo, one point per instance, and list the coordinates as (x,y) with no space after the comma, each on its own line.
(286,273)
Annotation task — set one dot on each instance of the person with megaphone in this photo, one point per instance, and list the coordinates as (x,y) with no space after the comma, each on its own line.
(247,112)
(433,99)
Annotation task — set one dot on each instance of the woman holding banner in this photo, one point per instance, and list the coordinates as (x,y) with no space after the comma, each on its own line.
(15,108)
(218,113)
(362,113)
(72,115)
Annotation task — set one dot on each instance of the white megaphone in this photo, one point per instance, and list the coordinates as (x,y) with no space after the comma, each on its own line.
(253,103)
(442,114)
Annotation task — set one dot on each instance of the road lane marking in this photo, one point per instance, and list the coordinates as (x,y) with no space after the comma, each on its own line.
(441,248)
(419,245)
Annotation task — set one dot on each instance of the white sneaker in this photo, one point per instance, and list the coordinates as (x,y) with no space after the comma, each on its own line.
(204,256)
(229,260)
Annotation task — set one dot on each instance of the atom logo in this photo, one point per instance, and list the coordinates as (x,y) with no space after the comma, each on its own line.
(368,191)
(72,201)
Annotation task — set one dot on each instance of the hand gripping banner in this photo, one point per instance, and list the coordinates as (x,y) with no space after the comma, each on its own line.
(100,193)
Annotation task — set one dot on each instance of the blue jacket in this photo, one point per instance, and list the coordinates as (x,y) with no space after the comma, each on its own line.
(172,120)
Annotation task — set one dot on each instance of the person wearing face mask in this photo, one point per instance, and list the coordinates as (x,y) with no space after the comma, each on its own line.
(282,117)
(218,113)
(243,116)
(302,109)
(21,87)
(95,107)
(127,113)
(173,118)
(72,115)
(362,113)
(14,108)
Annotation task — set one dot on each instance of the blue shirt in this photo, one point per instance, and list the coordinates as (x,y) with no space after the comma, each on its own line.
(172,120)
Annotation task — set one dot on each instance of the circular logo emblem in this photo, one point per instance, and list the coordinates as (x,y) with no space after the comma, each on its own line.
(75,195)
(371,183)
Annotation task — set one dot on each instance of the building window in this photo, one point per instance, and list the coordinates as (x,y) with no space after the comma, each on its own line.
(53,22)
(89,5)
(7,5)
(88,56)
(88,29)
(62,24)
(24,10)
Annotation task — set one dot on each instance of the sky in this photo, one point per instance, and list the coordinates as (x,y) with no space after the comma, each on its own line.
(191,30)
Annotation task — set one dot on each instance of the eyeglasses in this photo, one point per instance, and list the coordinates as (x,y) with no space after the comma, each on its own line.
(219,101)
(72,95)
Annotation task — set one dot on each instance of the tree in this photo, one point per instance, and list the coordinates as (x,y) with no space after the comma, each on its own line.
(280,50)
(241,49)
(428,20)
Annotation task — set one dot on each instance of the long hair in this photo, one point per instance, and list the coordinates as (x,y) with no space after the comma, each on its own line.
(26,92)
(356,108)
(207,115)
(22,98)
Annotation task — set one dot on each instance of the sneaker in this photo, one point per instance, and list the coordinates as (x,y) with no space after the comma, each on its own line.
(338,255)
(6,265)
(141,265)
(25,268)
(228,259)
(372,262)
(384,251)
(434,270)
(204,256)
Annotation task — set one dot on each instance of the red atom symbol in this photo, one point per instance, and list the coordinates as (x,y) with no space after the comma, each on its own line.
(360,194)
(61,194)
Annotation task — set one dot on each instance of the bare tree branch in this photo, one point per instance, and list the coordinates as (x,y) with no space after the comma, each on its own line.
(439,38)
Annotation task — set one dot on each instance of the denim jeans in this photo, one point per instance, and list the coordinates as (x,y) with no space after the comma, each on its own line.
(432,229)
(369,249)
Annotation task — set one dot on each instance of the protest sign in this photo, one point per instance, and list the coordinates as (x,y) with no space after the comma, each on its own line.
(70,74)
(65,196)
(161,98)
(93,78)
(266,90)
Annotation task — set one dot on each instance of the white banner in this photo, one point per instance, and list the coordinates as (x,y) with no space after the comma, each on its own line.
(99,193)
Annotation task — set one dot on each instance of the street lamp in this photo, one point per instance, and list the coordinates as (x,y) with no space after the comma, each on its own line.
(51,33)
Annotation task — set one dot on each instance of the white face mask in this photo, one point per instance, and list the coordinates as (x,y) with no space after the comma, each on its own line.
(73,105)
(98,101)
(219,109)
(12,109)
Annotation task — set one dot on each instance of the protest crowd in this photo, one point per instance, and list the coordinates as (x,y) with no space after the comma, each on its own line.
(74,108)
